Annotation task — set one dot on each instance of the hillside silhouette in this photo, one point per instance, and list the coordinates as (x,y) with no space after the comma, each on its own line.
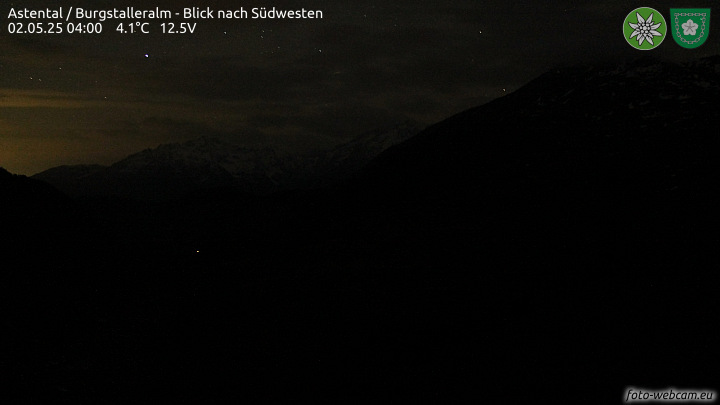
(559,241)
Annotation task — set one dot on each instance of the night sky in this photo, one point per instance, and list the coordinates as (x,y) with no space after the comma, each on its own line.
(295,85)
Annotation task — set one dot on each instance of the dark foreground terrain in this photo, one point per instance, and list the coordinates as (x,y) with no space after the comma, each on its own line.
(553,246)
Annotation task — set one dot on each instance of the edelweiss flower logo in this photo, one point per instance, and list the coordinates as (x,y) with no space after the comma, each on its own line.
(690,28)
(645,29)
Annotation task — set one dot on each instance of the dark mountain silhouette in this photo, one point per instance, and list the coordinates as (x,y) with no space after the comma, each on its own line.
(584,204)
(18,191)
(555,244)
(32,212)
(71,179)
(607,155)
(562,224)
(172,170)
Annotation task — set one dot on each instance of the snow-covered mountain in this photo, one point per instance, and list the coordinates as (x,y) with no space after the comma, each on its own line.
(343,161)
(171,170)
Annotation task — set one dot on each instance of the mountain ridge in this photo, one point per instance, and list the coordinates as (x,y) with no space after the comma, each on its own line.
(171,170)
(566,232)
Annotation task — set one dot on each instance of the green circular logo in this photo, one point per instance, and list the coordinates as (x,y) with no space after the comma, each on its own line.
(644,28)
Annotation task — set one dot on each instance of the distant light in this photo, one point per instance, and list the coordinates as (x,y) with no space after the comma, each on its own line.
(147,55)
(197,251)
